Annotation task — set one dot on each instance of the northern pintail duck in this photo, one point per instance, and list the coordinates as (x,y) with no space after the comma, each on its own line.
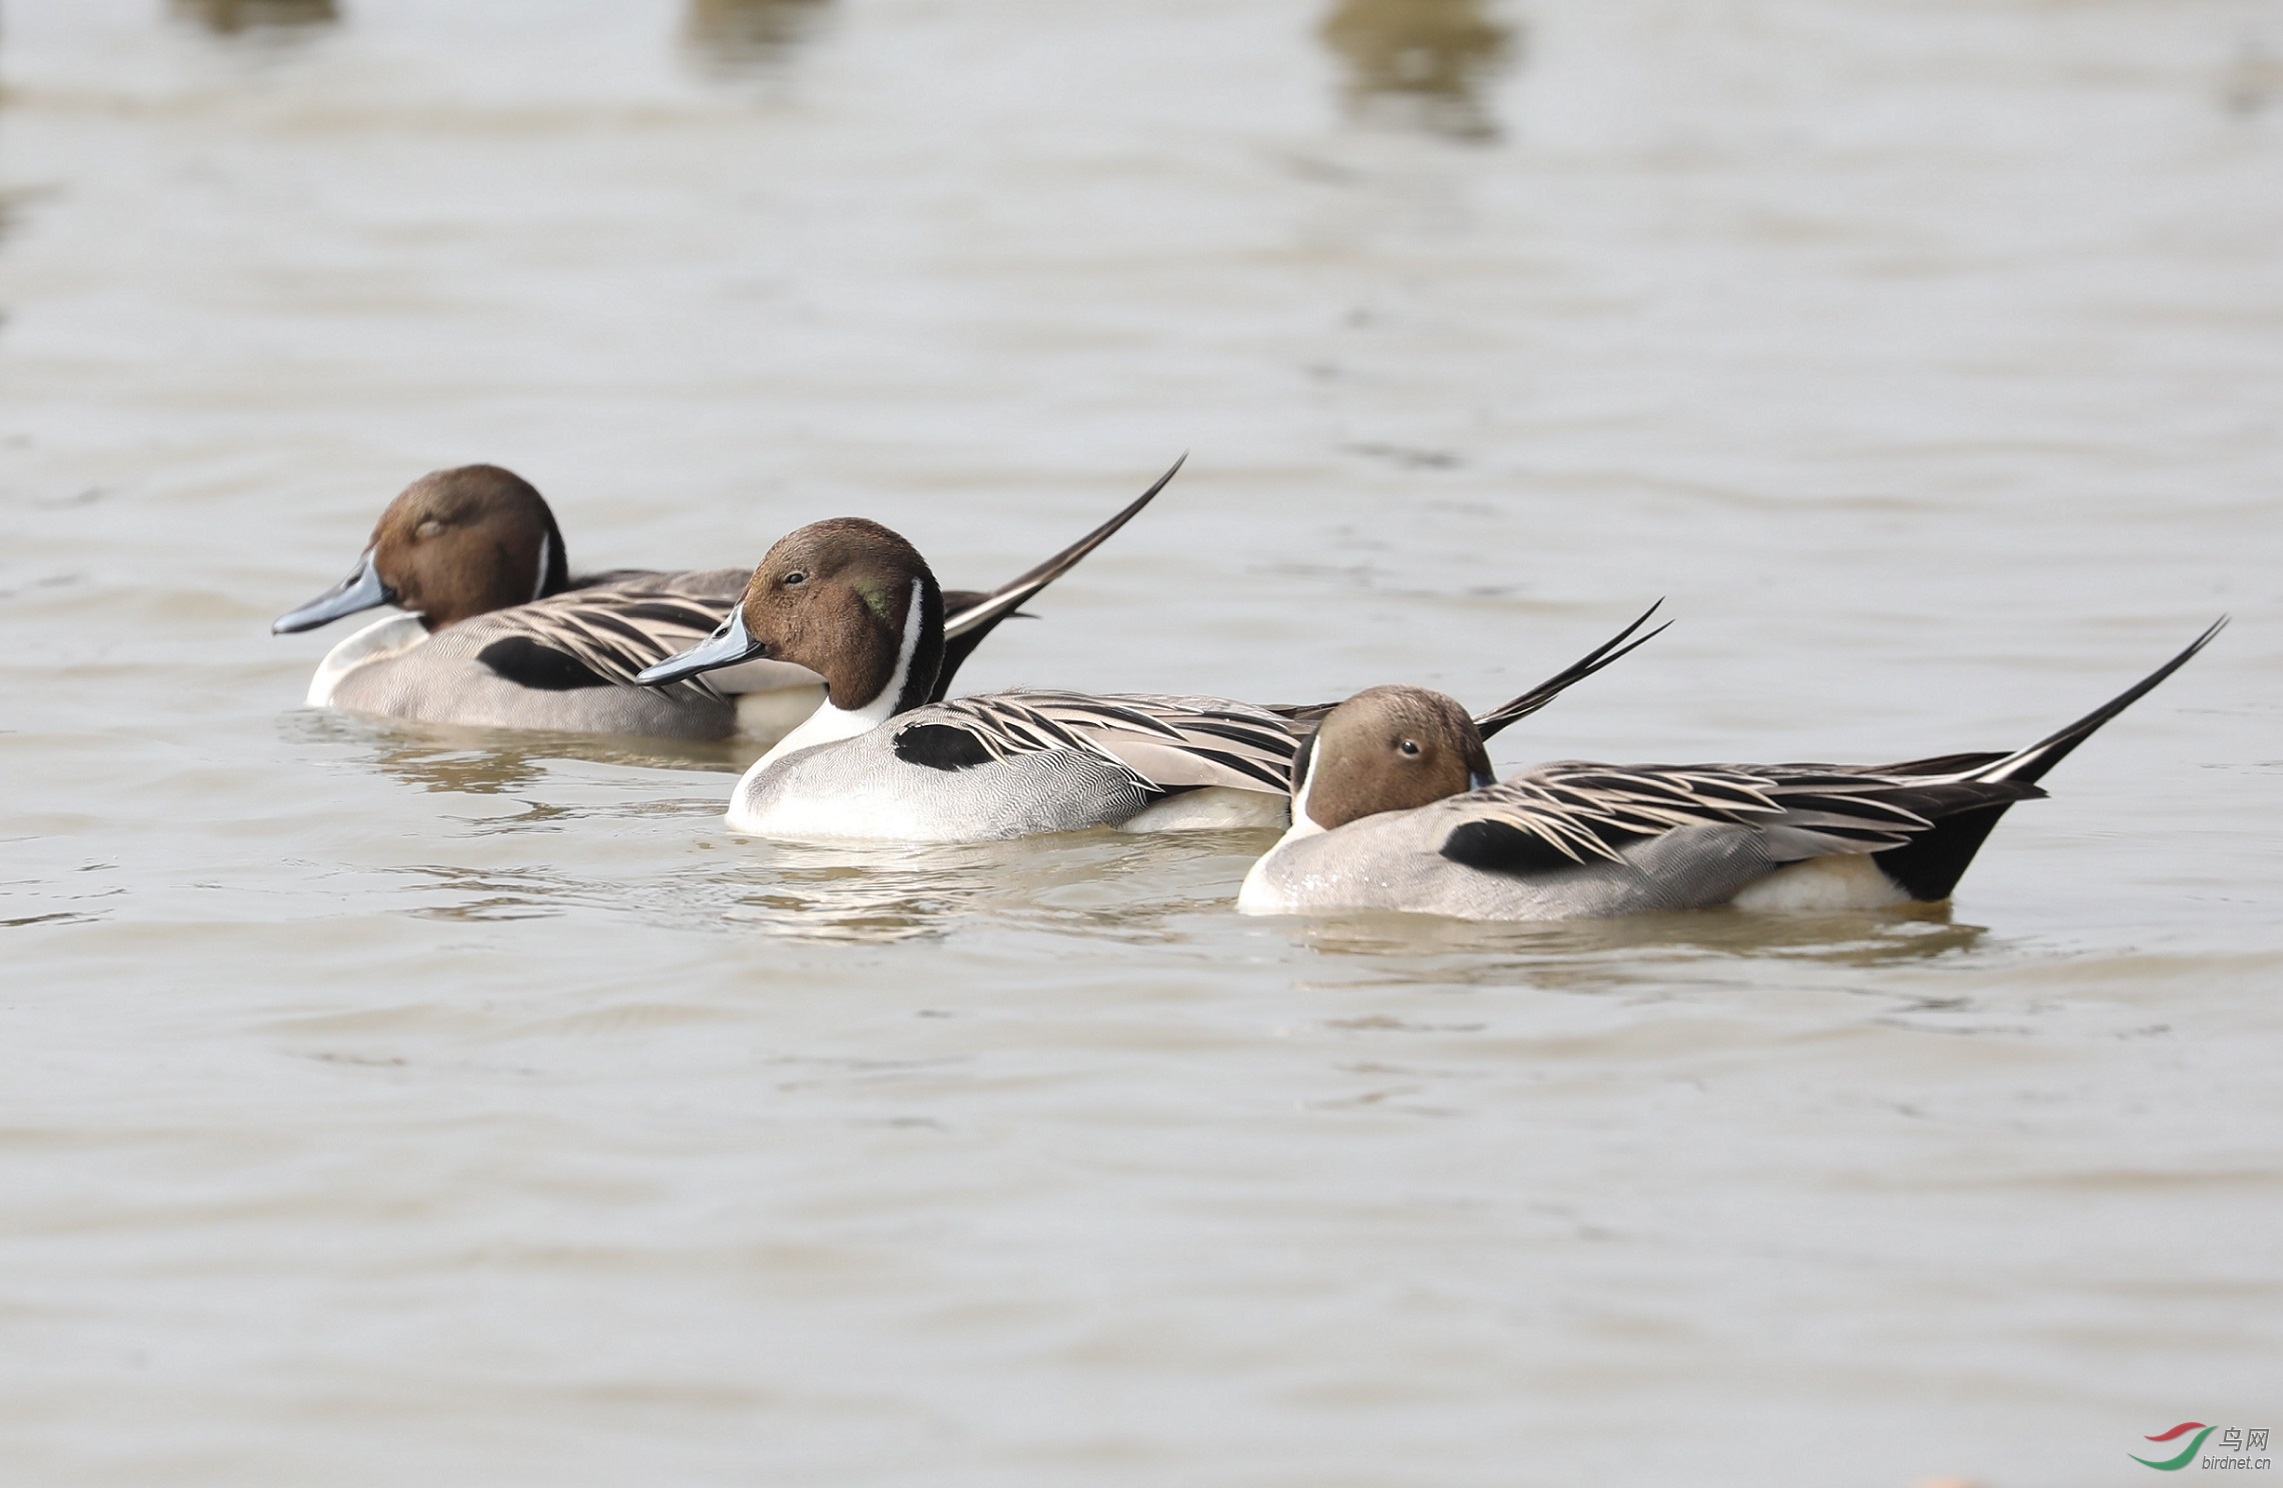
(499,632)
(1396,809)
(885,759)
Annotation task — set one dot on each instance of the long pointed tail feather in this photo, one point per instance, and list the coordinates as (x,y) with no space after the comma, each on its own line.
(1929,866)
(2031,763)
(965,628)
(1585,666)
(1311,714)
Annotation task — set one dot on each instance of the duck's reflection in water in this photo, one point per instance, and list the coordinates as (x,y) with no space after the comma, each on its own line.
(230,17)
(863,894)
(1598,955)
(1094,883)
(492,762)
(1423,62)
(748,35)
(1099,884)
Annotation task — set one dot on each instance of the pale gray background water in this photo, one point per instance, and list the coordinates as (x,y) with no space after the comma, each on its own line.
(386,1106)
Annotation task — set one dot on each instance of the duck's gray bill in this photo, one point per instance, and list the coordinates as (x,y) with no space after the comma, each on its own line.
(361,590)
(725,647)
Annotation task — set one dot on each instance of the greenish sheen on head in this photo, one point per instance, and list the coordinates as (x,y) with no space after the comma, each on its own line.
(881,599)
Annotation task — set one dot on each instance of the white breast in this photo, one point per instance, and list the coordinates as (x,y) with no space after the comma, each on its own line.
(1264,892)
(376,642)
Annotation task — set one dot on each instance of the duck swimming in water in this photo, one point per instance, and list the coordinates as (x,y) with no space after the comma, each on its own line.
(885,758)
(1395,808)
(497,631)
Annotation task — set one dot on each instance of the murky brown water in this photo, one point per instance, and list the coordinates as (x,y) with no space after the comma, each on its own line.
(386,1105)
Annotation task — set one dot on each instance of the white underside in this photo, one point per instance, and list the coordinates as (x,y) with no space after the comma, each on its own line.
(1214,808)
(1823,885)
(813,819)
(382,639)
(1841,882)
(856,819)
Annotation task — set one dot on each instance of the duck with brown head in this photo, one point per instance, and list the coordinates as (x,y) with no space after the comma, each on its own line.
(453,545)
(1387,749)
(497,631)
(857,604)
(1395,809)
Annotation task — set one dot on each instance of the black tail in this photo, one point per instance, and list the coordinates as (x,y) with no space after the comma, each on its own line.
(969,617)
(1585,666)
(1929,866)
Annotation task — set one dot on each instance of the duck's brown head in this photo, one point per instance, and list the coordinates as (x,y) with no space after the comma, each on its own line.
(1388,749)
(455,544)
(848,599)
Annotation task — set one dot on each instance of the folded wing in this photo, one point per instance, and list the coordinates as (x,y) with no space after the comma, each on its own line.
(602,635)
(1567,814)
(1165,743)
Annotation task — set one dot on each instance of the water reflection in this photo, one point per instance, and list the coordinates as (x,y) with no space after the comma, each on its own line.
(864,896)
(493,762)
(229,17)
(1422,60)
(1097,885)
(893,891)
(1593,955)
(480,895)
(745,35)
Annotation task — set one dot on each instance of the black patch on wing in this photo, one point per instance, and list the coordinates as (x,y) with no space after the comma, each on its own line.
(524,662)
(939,746)
(1499,847)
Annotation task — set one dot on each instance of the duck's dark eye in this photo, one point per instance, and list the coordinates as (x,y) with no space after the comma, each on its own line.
(1409,746)
(796,577)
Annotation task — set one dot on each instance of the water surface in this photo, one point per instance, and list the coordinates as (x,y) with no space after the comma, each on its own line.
(387,1104)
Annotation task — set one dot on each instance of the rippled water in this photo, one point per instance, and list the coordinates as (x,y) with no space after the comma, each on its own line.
(388,1105)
